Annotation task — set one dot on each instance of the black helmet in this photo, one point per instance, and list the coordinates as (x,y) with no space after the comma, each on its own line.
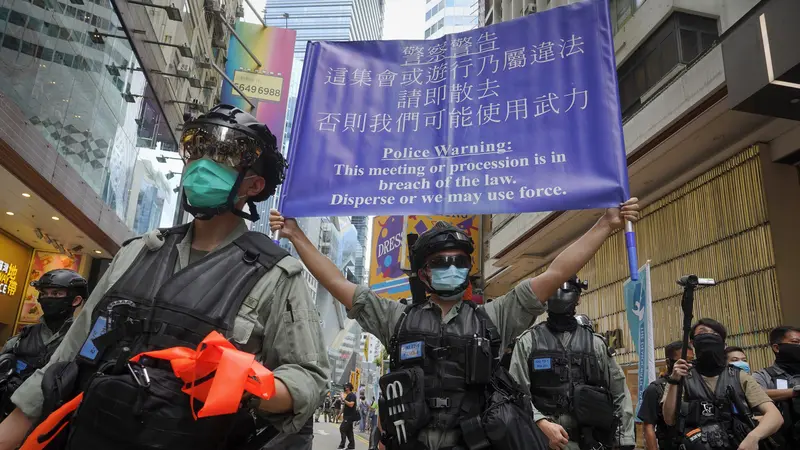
(442,236)
(63,279)
(567,296)
(233,137)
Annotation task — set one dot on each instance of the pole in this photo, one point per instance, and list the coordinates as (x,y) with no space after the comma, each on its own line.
(689,283)
(236,35)
(255,11)
(630,244)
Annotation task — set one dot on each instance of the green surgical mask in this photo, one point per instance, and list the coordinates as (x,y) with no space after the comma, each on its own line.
(208,184)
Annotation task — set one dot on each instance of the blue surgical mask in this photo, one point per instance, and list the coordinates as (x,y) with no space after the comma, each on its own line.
(448,279)
(742,365)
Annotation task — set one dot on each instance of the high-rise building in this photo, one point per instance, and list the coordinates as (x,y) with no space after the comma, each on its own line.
(705,89)
(360,223)
(91,93)
(450,16)
(322,20)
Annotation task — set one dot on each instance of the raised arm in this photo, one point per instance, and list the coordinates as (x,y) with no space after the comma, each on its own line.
(574,257)
(323,269)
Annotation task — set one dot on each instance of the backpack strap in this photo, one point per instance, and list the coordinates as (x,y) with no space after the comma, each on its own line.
(397,327)
(259,248)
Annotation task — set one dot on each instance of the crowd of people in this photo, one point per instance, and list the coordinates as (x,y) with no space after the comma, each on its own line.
(723,403)
(462,375)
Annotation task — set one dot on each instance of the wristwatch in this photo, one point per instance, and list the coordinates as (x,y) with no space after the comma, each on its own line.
(673,382)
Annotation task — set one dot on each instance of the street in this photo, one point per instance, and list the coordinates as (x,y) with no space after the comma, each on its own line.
(327,437)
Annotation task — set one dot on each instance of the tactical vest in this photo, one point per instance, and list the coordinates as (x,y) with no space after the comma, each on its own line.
(790,409)
(150,308)
(709,408)
(31,351)
(555,369)
(422,339)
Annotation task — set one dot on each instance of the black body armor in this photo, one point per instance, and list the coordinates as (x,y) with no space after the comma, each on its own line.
(151,307)
(456,358)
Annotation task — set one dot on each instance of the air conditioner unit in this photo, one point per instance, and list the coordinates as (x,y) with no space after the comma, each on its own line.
(240,11)
(211,4)
(184,69)
(211,82)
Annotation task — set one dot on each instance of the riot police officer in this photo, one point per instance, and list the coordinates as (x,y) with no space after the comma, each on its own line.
(61,292)
(171,288)
(578,390)
(782,381)
(442,348)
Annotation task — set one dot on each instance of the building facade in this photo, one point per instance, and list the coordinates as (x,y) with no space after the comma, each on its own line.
(93,97)
(712,143)
(450,16)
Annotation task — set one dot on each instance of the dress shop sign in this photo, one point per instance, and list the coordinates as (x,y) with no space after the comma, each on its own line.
(519,116)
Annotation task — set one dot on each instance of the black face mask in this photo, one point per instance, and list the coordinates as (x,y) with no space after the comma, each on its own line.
(709,350)
(56,309)
(788,357)
(559,323)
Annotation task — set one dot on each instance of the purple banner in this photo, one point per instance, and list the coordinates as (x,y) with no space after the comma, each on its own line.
(516,117)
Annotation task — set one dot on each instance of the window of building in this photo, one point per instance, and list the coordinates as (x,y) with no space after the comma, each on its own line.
(680,40)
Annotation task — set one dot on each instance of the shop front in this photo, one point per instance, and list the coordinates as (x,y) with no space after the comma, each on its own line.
(35,238)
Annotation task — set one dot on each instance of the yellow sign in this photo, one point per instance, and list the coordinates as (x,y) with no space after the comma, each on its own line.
(8,278)
(258,85)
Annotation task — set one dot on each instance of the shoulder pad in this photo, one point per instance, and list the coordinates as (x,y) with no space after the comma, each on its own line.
(290,265)
(610,351)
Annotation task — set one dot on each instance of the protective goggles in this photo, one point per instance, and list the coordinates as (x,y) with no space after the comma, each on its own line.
(445,261)
(222,145)
(449,236)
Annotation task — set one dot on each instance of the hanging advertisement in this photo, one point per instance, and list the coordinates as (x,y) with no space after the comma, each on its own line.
(267,86)
(386,276)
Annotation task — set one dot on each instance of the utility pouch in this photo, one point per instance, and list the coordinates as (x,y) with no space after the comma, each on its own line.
(714,435)
(479,361)
(593,407)
(402,407)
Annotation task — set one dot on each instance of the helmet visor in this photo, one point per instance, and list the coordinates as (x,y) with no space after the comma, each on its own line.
(222,145)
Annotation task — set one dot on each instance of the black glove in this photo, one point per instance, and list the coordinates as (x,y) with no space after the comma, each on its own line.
(626,447)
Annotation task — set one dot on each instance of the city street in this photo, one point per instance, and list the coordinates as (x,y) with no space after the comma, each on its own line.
(326,437)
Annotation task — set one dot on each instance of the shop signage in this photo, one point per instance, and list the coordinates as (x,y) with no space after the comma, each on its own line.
(8,278)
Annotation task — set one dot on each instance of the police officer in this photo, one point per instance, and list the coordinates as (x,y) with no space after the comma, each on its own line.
(61,291)
(657,434)
(782,381)
(712,389)
(578,390)
(440,334)
(171,288)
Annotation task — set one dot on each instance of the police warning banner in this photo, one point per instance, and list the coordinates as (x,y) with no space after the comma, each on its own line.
(519,116)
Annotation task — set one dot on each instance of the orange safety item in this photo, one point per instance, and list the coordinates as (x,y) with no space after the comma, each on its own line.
(221,392)
(216,373)
(51,426)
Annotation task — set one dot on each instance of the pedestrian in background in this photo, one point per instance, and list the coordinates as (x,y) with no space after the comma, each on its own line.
(782,382)
(363,411)
(350,416)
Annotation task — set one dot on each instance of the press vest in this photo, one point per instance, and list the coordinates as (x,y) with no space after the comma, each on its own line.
(706,407)
(790,409)
(422,339)
(151,307)
(555,369)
